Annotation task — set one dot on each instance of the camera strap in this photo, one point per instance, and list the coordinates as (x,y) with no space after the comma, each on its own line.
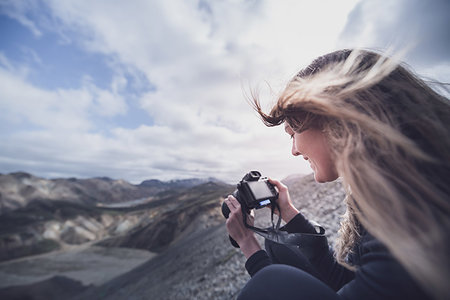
(276,235)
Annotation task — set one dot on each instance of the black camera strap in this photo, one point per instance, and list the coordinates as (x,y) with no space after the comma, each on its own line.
(276,235)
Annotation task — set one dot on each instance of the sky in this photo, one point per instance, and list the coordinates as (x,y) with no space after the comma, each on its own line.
(155,89)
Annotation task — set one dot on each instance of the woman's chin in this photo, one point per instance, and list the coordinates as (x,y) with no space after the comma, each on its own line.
(322,179)
(318,179)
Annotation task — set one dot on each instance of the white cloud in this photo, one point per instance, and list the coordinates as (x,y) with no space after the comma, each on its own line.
(22,103)
(57,110)
(17,10)
(421,28)
(198,56)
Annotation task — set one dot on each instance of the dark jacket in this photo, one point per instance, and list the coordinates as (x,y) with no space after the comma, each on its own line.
(378,276)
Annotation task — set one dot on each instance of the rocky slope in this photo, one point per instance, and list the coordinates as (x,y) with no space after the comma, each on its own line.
(198,263)
(203,265)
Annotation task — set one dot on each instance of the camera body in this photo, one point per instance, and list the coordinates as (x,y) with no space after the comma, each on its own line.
(255,191)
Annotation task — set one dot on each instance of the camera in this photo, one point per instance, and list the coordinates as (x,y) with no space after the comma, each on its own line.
(253,191)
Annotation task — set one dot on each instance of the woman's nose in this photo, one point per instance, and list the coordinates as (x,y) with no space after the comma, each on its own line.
(295,152)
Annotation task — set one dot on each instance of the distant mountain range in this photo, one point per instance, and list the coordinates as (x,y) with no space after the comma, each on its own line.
(20,188)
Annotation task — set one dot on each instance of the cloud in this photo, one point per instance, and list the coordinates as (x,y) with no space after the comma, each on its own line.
(187,65)
(61,109)
(18,10)
(422,28)
(22,103)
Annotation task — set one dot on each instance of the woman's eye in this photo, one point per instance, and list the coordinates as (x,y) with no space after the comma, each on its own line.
(292,135)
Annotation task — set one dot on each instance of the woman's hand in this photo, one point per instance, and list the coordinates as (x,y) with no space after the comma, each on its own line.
(288,210)
(237,230)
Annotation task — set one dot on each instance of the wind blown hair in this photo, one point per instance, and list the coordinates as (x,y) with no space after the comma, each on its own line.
(389,134)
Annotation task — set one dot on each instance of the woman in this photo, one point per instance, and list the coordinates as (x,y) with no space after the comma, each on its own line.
(360,116)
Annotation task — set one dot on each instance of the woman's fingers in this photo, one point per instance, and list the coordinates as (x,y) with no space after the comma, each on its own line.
(280,186)
(250,220)
(235,216)
(238,231)
(232,203)
(287,209)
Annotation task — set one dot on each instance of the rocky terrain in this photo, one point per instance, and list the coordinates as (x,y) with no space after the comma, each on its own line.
(187,252)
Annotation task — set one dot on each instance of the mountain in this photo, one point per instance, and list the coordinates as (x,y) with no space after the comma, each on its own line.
(179,183)
(20,188)
(169,225)
(57,213)
(190,255)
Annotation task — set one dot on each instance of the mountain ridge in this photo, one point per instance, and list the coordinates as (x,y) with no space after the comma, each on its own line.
(18,189)
(40,222)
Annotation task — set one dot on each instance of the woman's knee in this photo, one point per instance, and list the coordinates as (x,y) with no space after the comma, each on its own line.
(289,255)
(286,282)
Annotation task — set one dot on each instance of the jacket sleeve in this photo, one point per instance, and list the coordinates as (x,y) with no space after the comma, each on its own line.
(261,259)
(256,262)
(380,275)
(322,258)
(320,254)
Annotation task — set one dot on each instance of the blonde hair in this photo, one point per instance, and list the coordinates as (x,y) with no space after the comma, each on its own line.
(389,135)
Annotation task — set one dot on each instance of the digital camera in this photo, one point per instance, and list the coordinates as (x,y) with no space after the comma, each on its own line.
(253,191)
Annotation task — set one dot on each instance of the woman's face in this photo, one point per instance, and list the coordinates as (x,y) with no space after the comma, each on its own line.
(313,146)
